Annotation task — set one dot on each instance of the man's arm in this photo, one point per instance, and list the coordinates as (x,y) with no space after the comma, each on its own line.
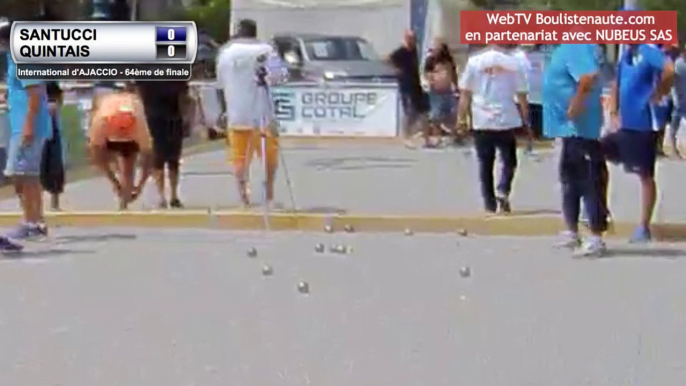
(36,93)
(583,68)
(522,82)
(466,88)
(667,79)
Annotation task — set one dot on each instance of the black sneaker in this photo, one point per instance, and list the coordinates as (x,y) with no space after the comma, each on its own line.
(504,205)
(176,204)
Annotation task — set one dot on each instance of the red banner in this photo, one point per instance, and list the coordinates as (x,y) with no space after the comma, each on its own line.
(560,27)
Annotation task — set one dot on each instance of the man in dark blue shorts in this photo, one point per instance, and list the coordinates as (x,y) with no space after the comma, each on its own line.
(572,112)
(644,76)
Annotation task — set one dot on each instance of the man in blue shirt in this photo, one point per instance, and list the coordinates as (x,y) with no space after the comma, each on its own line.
(30,126)
(679,96)
(572,112)
(644,77)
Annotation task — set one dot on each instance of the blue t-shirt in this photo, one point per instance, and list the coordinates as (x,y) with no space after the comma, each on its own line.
(566,65)
(18,104)
(638,73)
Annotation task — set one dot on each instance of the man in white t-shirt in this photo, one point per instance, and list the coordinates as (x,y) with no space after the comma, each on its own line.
(491,80)
(246,67)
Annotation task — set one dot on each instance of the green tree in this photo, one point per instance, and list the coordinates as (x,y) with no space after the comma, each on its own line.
(670,5)
(212,16)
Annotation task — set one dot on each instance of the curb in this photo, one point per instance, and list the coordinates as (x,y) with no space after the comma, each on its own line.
(514,225)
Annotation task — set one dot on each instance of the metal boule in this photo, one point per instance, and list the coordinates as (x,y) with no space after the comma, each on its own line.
(319,248)
(349,228)
(267,270)
(462,232)
(328,229)
(465,271)
(341,249)
(303,287)
(348,249)
(408,232)
(252,252)
(336,248)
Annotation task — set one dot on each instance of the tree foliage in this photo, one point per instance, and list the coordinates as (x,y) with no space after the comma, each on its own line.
(212,16)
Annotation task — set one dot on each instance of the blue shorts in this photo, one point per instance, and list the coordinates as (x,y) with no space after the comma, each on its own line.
(24,160)
(442,107)
(636,150)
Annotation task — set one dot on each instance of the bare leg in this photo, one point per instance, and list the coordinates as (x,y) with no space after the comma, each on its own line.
(32,199)
(127,167)
(648,198)
(173,170)
(158,175)
(55,202)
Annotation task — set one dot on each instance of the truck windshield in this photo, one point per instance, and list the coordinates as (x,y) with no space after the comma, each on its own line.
(339,49)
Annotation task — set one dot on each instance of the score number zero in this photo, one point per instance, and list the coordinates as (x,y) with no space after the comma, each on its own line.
(171,42)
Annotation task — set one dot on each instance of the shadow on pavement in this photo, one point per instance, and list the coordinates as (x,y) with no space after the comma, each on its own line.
(31,253)
(645,252)
(361,163)
(207,173)
(94,238)
(322,210)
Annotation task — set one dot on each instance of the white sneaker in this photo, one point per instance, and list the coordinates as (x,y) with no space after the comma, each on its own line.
(569,240)
(593,247)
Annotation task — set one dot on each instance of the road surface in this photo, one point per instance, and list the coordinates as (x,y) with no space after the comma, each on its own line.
(384,180)
(189,307)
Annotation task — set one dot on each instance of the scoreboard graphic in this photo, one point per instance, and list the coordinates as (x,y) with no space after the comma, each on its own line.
(104,50)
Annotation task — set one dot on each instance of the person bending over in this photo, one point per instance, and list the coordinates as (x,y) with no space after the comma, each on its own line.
(119,135)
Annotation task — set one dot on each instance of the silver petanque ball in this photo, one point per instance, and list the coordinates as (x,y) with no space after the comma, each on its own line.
(267,270)
(462,232)
(303,287)
(328,229)
(408,232)
(349,228)
(337,248)
(465,271)
(319,248)
(252,252)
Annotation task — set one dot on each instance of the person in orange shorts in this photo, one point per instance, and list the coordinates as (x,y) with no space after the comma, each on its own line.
(119,134)
(246,68)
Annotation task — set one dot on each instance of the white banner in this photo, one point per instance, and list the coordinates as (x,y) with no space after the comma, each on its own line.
(341,111)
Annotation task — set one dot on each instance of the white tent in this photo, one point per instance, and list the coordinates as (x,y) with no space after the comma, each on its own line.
(381,22)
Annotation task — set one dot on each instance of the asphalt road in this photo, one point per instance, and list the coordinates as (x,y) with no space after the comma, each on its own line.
(383,180)
(189,307)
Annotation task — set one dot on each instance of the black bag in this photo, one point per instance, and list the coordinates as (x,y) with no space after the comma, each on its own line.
(52,175)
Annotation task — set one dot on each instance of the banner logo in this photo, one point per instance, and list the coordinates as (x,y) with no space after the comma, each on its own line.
(284,105)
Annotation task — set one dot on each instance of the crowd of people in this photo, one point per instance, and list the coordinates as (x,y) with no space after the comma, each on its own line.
(141,123)
(501,93)
(648,93)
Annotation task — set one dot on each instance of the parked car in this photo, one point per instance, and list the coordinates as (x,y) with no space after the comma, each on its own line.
(203,68)
(315,57)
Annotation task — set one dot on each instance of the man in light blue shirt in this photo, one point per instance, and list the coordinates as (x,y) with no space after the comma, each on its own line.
(572,112)
(30,126)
